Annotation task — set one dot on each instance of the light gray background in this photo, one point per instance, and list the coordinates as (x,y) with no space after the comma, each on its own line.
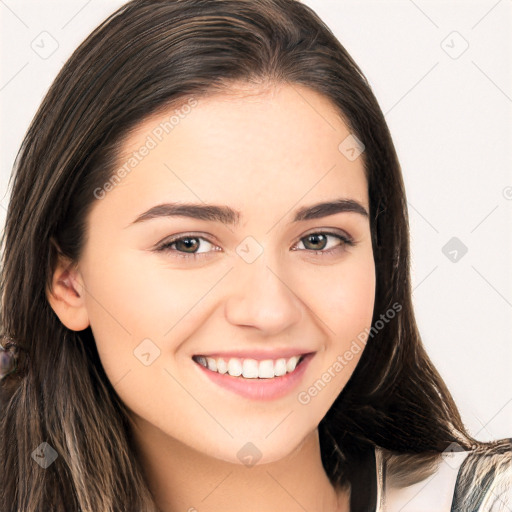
(449,111)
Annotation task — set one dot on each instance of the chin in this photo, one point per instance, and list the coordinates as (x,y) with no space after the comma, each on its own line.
(254,450)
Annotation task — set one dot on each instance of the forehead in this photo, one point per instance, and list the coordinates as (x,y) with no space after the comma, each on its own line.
(276,145)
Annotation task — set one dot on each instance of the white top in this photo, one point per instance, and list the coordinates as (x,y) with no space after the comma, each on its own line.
(435,492)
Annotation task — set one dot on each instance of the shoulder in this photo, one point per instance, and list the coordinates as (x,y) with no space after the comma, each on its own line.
(452,481)
(484,481)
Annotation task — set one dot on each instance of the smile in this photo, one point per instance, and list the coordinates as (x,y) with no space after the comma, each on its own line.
(250,368)
(255,379)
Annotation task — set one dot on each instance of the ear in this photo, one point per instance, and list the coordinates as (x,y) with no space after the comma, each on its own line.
(67,295)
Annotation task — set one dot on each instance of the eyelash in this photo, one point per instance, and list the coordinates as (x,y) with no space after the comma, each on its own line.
(166,246)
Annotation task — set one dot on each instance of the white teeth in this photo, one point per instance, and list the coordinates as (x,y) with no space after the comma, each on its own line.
(235,367)
(212,364)
(266,369)
(280,367)
(292,363)
(222,367)
(250,368)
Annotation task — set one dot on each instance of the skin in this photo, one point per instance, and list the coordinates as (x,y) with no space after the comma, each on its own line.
(265,152)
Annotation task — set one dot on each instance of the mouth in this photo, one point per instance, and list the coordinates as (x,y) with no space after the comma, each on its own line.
(258,377)
(247,368)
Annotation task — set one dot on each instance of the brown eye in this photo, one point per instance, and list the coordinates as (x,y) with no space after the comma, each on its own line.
(188,244)
(187,247)
(318,242)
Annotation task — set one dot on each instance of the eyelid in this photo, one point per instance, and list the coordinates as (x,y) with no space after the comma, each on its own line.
(327,231)
(342,235)
(161,246)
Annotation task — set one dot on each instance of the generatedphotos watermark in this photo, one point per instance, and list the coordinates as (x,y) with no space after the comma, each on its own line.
(152,141)
(357,345)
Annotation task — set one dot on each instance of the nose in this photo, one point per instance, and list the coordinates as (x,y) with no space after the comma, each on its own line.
(263,299)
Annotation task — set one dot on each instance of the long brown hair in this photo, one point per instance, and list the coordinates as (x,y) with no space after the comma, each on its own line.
(145,57)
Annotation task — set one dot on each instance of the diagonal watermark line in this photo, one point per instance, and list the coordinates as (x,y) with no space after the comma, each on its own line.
(492,81)
(287,492)
(119,380)
(424,13)
(216,487)
(291,85)
(76,14)
(199,301)
(426,277)
(106,310)
(5,5)
(198,402)
(484,427)
(14,76)
(305,194)
(278,424)
(423,217)
(499,501)
(165,165)
(429,479)
(485,15)
(415,85)
(498,412)
(493,210)
(491,285)
(296,296)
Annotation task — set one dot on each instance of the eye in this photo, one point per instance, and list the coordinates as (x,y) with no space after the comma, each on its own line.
(186,246)
(318,241)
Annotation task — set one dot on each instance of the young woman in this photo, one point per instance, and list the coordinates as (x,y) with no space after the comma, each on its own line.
(206,300)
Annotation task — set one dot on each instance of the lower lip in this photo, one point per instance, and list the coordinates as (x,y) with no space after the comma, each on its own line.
(260,389)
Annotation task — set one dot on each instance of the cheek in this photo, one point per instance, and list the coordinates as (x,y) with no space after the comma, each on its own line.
(137,296)
(342,302)
(126,305)
(343,297)
(132,298)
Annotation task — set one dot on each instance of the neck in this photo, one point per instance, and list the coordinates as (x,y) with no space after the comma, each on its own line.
(183,479)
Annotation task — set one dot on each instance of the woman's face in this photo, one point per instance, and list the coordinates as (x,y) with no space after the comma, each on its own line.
(242,291)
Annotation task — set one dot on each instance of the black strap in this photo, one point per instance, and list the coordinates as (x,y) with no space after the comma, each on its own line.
(363,482)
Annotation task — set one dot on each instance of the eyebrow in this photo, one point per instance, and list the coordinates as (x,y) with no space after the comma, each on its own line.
(229,216)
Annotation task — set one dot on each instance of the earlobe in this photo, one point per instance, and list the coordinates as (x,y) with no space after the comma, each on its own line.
(67,295)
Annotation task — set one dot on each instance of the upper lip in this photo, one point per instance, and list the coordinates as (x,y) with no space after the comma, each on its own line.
(258,355)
